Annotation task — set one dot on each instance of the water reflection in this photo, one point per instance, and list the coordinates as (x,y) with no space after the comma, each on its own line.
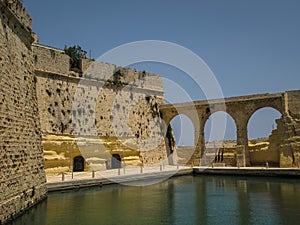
(182,200)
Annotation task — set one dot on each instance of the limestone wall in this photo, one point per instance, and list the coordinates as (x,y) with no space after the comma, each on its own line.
(265,150)
(293,103)
(19,12)
(289,129)
(45,56)
(22,177)
(106,109)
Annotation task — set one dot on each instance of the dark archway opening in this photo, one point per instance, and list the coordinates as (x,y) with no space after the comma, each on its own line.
(78,165)
(116,161)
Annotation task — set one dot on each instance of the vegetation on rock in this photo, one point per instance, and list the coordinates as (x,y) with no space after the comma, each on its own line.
(76,53)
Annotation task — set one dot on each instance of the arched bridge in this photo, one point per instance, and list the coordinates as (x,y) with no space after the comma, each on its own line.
(239,108)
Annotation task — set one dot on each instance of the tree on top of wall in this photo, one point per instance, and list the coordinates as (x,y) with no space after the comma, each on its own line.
(76,53)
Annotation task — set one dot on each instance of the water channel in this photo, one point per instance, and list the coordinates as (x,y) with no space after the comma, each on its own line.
(182,200)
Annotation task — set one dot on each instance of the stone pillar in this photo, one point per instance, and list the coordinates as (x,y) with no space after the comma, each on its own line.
(199,144)
(198,139)
(195,158)
(242,139)
(240,156)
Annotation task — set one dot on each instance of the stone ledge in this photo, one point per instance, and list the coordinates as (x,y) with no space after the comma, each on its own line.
(127,179)
(218,165)
(233,171)
(124,179)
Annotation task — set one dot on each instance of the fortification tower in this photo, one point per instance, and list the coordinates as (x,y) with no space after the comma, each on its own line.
(22,177)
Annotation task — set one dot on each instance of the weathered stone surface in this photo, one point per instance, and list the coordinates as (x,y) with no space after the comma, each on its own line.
(284,144)
(22,177)
(114,110)
(100,110)
(289,130)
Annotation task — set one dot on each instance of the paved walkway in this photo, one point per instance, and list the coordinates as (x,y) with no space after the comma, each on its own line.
(129,175)
(114,173)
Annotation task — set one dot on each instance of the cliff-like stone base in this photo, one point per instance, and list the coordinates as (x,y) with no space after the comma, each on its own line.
(21,202)
(99,153)
(22,175)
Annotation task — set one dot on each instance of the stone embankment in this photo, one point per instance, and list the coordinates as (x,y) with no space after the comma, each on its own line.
(148,175)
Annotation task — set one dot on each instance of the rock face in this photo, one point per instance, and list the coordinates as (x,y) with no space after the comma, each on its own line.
(22,176)
(98,111)
(266,150)
(289,130)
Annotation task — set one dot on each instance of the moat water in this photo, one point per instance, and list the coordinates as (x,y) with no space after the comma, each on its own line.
(182,200)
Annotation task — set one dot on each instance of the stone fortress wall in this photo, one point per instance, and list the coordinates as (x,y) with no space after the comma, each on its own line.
(116,114)
(99,111)
(22,176)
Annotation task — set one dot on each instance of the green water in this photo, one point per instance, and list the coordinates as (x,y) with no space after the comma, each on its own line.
(183,200)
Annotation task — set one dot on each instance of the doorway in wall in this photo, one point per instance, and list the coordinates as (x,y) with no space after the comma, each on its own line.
(115,161)
(78,164)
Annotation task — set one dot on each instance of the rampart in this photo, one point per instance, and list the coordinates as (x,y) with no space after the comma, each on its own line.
(22,176)
(97,101)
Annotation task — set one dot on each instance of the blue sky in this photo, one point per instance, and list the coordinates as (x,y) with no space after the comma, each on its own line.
(251,46)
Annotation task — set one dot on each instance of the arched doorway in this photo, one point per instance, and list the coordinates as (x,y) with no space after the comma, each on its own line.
(220,146)
(78,164)
(181,140)
(263,136)
(116,161)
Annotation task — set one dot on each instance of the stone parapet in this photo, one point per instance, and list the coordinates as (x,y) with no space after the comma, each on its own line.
(50,60)
(18,10)
(54,61)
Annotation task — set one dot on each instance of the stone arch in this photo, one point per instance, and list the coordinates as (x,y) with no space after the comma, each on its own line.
(178,153)
(239,108)
(228,115)
(227,110)
(216,150)
(181,124)
(264,149)
(258,110)
(195,121)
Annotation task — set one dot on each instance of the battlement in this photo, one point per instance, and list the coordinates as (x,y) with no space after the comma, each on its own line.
(54,61)
(17,10)
(50,60)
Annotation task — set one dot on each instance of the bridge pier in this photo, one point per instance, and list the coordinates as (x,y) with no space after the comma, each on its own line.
(242,140)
